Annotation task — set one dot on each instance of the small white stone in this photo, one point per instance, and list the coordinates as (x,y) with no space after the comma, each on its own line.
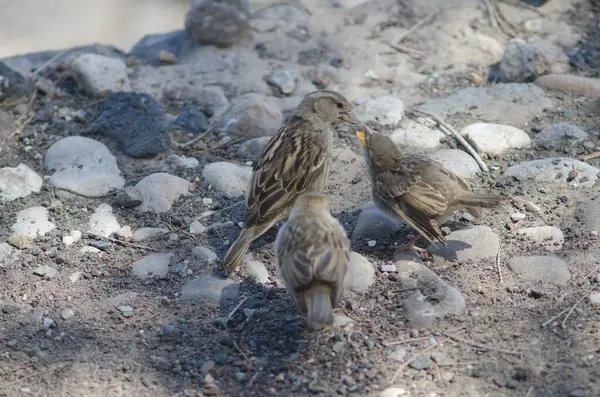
(103,222)
(388,268)
(67,240)
(183,162)
(517,216)
(372,243)
(457,161)
(75,235)
(595,299)
(18,182)
(207,201)
(159,191)
(125,232)
(32,222)
(148,232)
(495,139)
(227,178)
(361,274)
(197,227)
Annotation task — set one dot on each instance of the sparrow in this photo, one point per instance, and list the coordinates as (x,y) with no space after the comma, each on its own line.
(416,189)
(295,160)
(312,253)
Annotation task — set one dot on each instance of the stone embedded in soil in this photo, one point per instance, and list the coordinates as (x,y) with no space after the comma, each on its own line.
(153,265)
(214,22)
(385,111)
(279,16)
(470,243)
(495,139)
(67,314)
(283,79)
(560,135)
(393,392)
(204,255)
(253,148)
(585,86)
(7,254)
(20,242)
(135,121)
(18,182)
(457,161)
(512,103)
(372,223)
(191,120)
(32,222)
(100,75)
(595,299)
(361,274)
(554,171)
(12,83)
(182,162)
(83,166)
(227,178)
(397,354)
(547,269)
(211,98)
(126,310)
(45,271)
(147,233)
(148,49)
(256,270)
(103,222)
(250,116)
(208,287)
(422,361)
(523,61)
(159,191)
(432,298)
(591,214)
(416,134)
(550,237)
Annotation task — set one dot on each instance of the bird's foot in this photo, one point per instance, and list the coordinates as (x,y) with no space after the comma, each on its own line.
(420,252)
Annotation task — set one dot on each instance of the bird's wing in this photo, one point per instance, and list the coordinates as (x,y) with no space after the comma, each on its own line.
(288,166)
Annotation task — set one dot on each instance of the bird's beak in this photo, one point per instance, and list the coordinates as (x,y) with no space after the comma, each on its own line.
(348,118)
(362,137)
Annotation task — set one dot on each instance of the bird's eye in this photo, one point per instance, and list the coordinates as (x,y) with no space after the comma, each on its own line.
(339,105)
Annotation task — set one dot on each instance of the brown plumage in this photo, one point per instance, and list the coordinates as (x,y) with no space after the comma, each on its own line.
(295,160)
(417,189)
(311,256)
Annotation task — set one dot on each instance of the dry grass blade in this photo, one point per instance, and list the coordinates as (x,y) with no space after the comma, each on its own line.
(414,53)
(480,346)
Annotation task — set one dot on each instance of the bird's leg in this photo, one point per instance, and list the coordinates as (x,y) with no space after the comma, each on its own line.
(410,246)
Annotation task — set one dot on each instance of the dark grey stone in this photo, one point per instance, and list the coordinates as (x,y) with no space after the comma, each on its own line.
(177,43)
(191,119)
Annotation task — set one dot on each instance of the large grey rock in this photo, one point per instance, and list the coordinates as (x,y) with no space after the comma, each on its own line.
(253,148)
(495,139)
(361,274)
(547,269)
(560,135)
(8,254)
(18,182)
(554,171)
(219,23)
(513,104)
(148,49)
(83,166)
(471,243)
(432,298)
(12,83)
(227,178)
(153,265)
(524,61)
(100,75)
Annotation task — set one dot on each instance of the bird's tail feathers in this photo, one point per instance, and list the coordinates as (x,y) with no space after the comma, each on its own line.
(235,254)
(318,305)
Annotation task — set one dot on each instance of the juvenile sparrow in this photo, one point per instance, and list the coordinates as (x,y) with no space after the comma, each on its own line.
(311,257)
(417,189)
(295,160)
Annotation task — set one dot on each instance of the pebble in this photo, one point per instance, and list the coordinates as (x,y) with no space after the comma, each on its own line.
(68,240)
(284,79)
(511,103)
(553,171)
(384,110)
(83,166)
(183,162)
(256,270)
(560,135)
(191,120)
(153,265)
(125,232)
(149,48)
(211,97)
(100,75)
(341,321)
(361,274)
(126,310)
(18,182)
(591,215)
(253,148)
(433,297)
(20,242)
(67,314)
(457,161)
(388,268)
(157,192)
(393,392)
(517,216)
(547,269)
(227,178)
(146,233)
(397,354)
(32,222)
(209,287)
(550,237)
(471,243)
(45,271)
(586,86)
(213,22)
(595,299)
(204,255)
(422,361)
(197,227)
(523,61)
(103,222)
(135,121)
(250,116)
(417,134)
(338,347)
(48,323)
(7,254)
(372,223)
(495,139)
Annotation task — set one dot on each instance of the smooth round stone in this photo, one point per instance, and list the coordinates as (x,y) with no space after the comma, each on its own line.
(548,269)
(550,237)
(495,139)
(457,161)
(554,171)
(227,178)
(361,274)
(415,134)
(470,243)
(18,182)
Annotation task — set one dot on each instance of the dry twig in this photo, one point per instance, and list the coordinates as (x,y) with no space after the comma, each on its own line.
(451,131)
(480,346)
(196,139)
(498,264)
(235,309)
(564,323)
(412,52)
(221,210)
(121,242)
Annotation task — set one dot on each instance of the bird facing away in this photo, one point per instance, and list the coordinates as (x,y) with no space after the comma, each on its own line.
(417,189)
(312,253)
(295,160)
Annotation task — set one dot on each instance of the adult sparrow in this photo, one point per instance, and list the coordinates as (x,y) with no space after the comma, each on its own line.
(311,257)
(417,189)
(295,160)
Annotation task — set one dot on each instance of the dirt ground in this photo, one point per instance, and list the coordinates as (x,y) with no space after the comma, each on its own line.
(499,347)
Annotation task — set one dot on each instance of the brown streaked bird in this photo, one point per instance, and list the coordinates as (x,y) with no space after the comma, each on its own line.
(416,189)
(312,253)
(295,160)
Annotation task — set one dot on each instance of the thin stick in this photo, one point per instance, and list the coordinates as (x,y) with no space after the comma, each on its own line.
(491,13)
(222,209)
(529,391)
(416,53)
(417,26)
(479,346)
(235,309)
(244,355)
(405,364)
(451,131)
(121,242)
(196,139)
(592,272)
(253,378)
(498,264)
(554,318)
(403,341)
(564,323)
